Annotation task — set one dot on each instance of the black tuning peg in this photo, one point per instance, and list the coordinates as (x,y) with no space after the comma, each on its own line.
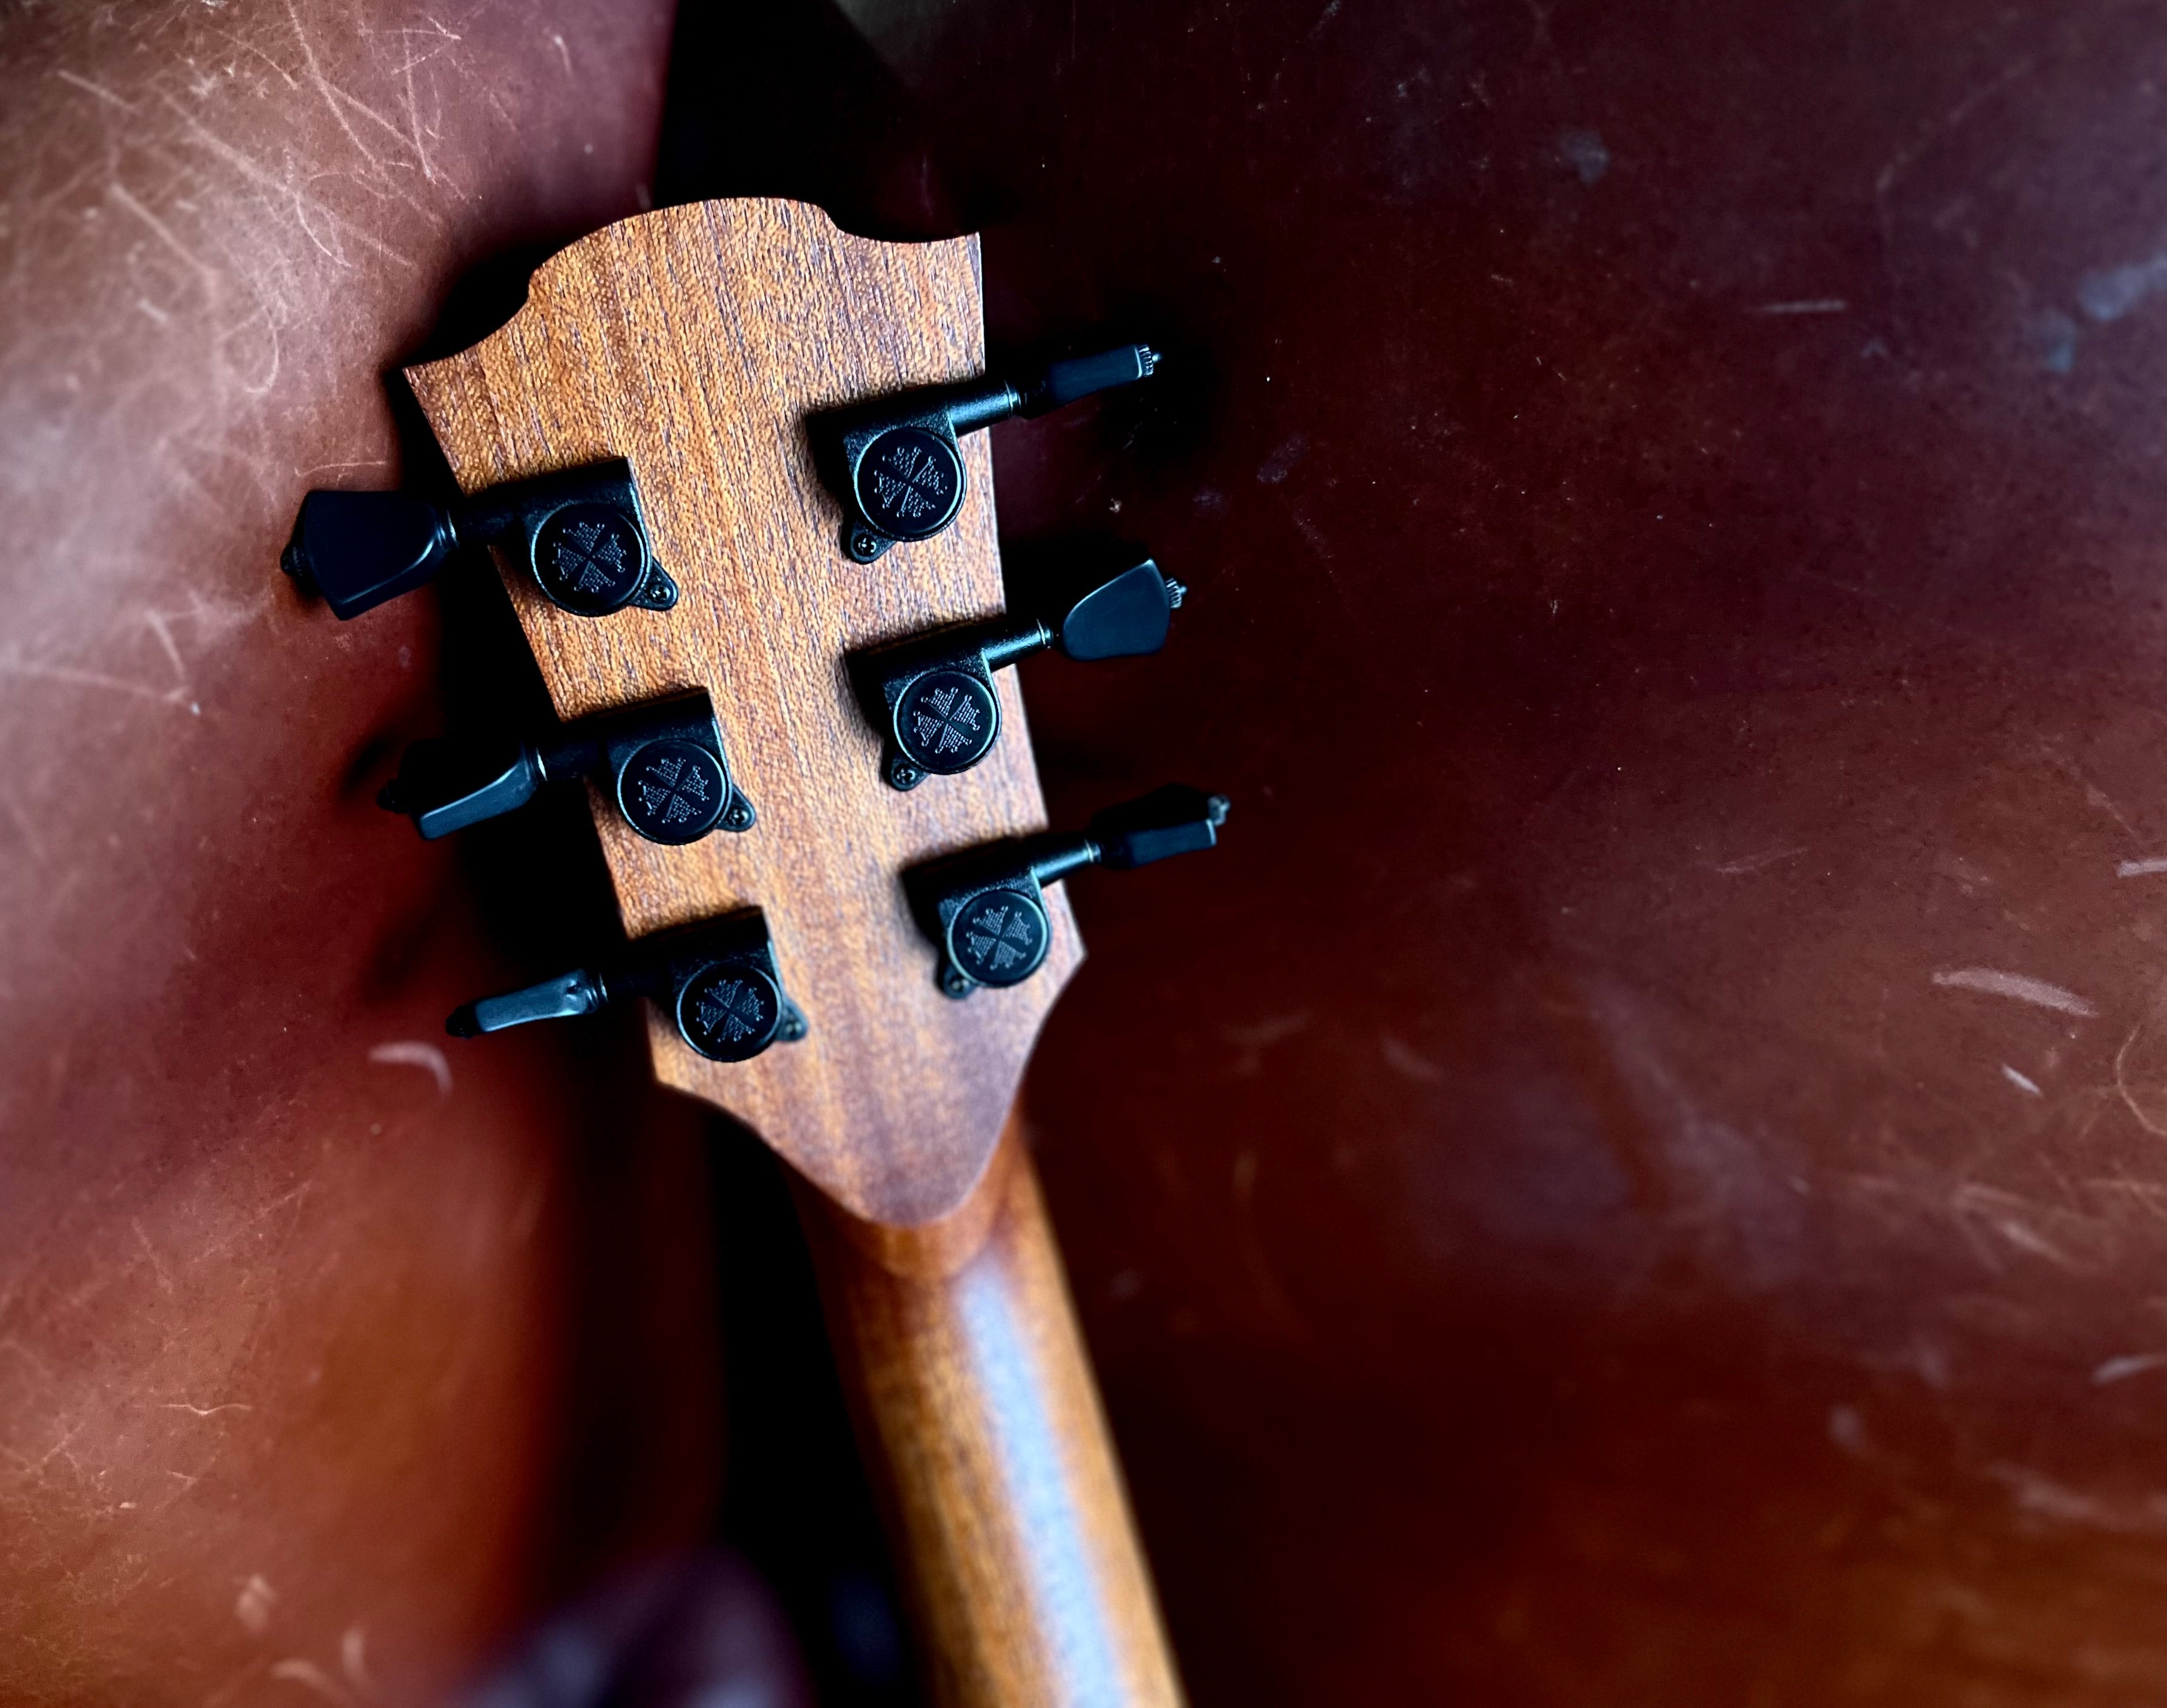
(661,761)
(932,697)
(896,463)
(580,530)
(716,979)
(985,906)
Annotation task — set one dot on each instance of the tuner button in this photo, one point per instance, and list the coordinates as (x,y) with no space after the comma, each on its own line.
(443,786)
(674,791)
(358,549)
(999,937)
(1121,618)
(909,482)
(1065,382)
(591,558)
(945,721)
(563,998)
(1175,820)
(730,1012)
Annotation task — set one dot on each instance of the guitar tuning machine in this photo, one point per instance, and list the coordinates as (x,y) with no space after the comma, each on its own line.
(581,531)
(716,980)
(932,695)
(896,464)
(985,907)
(661,760)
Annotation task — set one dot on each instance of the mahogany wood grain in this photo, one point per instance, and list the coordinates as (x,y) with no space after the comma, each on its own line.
(981,1425)
(695,341)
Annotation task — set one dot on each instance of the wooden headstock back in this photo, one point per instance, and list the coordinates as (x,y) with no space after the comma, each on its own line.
(697,341)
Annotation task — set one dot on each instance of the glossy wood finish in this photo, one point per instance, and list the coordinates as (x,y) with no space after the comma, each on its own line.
(697,341)
(976,1404)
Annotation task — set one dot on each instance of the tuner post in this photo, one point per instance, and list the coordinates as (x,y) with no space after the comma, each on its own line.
(985,908)
(897,463)
(716,980)
(932,696)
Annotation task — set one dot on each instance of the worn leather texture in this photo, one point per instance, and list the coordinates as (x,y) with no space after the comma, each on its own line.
(1635,1172)
(327,1359)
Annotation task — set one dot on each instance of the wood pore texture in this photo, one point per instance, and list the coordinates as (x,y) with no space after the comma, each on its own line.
(976,1406)
(695,341)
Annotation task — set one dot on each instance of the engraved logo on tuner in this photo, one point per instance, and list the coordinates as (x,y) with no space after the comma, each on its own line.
(999,937)
(909,482)
(673,791)
(590,557)
(945,721)
(729,1013)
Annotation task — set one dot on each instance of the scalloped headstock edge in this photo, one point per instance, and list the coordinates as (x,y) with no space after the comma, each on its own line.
(696,342)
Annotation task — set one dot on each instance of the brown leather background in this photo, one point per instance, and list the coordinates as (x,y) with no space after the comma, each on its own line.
(1639,1172)
(325,1357)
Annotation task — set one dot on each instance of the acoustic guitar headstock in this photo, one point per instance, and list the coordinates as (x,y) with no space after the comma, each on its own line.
(706,371)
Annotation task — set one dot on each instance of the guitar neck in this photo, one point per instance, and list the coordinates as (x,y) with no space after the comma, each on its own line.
(978,1419)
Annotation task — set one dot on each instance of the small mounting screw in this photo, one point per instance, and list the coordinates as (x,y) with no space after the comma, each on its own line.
(903,774)
(954,982)
(864,544)
(739,816)
(793,1027)
(1175,593)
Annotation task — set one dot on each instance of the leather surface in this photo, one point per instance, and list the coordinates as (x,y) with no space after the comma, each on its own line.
(1634,1173)
(328,1355)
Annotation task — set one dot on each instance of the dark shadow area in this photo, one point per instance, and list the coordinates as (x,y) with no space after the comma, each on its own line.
(485,298)
(796,1502)
(789,101)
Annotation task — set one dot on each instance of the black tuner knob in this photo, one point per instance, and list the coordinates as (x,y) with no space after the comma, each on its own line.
(661,761)
(932,696)
(896,463)
(716,980)
(581,531)
(985,906)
